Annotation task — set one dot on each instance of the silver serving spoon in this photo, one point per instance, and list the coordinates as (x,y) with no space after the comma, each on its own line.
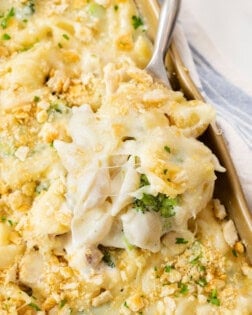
(167,20)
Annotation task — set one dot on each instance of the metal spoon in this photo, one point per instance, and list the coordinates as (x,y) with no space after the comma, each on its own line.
(167,20)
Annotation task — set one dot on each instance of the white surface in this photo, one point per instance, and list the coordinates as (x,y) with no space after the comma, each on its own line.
(228,25)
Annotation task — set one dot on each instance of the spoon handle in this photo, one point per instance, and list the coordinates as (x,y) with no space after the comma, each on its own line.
(167,21)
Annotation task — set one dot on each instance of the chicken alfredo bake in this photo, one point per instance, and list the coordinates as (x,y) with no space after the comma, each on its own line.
(105,191)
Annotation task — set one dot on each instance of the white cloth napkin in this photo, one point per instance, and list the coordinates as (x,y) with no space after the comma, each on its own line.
(233,105)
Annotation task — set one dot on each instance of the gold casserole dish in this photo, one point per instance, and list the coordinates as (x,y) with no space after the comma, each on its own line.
(227,187)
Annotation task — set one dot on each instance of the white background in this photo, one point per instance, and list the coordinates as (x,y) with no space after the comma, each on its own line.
(228,25)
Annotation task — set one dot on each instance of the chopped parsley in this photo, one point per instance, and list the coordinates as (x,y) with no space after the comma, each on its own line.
(168,268)
(34,306)
(6,36)
(3,219)
(202,282)
(234,252)
(107,258)
(196,260)
(58,108)
(125,304)
(60,45)
(213,298)
(62,303)
(137,21)
(183,288)
(144,181)
(116,7)
(181,240)
(10,222)
(65,36)
(36,99)
(160,203)
(167,206)
(7,17)
(31,5)
(167,149)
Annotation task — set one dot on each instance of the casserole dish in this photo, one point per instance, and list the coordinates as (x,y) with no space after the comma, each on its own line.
(105,191)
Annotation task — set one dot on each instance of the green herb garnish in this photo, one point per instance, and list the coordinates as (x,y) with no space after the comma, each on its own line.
(196,260)
(62,303)
(183,288)
(143,181)
(58,108)
(168,268)
(181,240)
(6,19)
(31,5)
(234,252)
(10,222)
(65,36)
(167,149)
(34,306)
(3,219)
(147,203)
(60,45)
(160,203)
(202,282)
(167,206)
(116,7)
(213,298)
(137,21)
(36,99)
(107,258)
(125,304)
(6,37)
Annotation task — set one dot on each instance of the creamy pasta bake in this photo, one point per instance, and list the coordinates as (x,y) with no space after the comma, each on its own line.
(105,192)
